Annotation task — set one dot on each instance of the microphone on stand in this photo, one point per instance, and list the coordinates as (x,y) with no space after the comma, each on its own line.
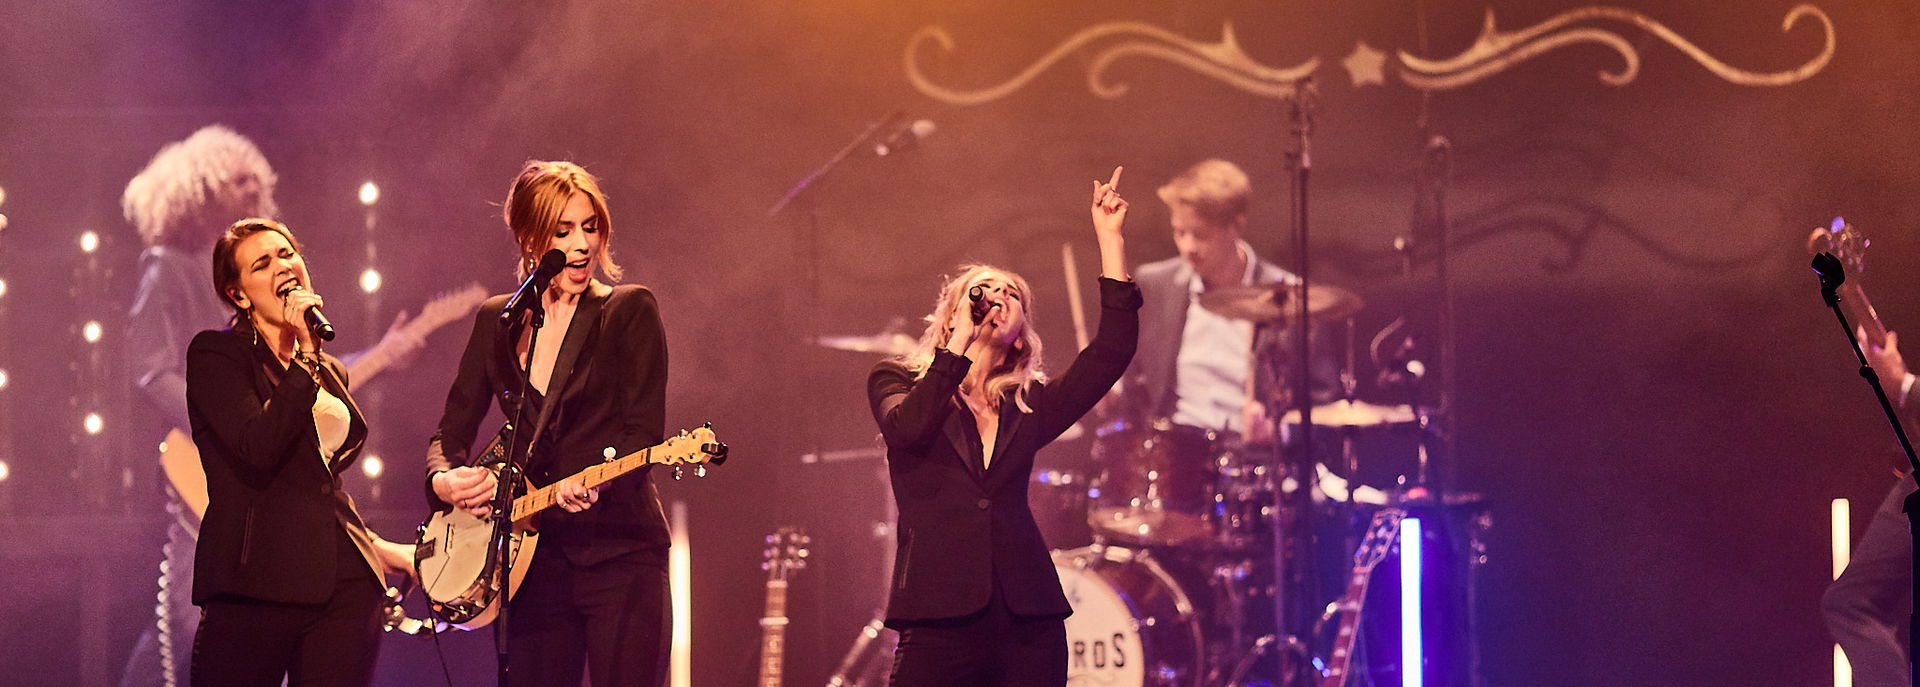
(316,320)
(904,138)
(529,294)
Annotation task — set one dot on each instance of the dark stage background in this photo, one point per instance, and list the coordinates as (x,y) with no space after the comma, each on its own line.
(1650,394)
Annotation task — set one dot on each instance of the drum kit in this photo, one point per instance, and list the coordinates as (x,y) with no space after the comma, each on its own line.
(1165,547)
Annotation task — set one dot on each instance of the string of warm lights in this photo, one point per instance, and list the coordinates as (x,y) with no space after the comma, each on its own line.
(6,453)
(90,368)
(371,465)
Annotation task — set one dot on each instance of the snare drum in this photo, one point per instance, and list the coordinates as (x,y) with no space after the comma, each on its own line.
(1132,624)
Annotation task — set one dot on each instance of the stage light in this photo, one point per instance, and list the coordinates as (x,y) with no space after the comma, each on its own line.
(372,466)
(679,578)
(89,241)
(3,287)
(370,280)
(369,193)
(93,423)
(1413,660)
(5,471)
(1841,530)
(3,379)
(1842,535)
(90,332)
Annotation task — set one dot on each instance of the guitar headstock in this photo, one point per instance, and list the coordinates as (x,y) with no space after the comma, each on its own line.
(786,552)
(1842,240)
(696,448)
(1381,534)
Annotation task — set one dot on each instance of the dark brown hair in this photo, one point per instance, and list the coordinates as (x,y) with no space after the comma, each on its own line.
(226,272)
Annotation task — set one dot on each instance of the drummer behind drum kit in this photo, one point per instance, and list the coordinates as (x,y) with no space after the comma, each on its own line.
(1176,586)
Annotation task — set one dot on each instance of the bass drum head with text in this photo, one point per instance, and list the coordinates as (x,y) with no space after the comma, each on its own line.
(1132,625)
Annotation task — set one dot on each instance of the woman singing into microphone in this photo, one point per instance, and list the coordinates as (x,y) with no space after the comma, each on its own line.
(974,593)
(595,594)
(290,578)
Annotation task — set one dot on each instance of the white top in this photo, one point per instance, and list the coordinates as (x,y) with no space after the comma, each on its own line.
(1216,355)
(331,420)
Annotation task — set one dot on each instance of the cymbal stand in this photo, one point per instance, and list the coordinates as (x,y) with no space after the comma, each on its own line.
(1293,537)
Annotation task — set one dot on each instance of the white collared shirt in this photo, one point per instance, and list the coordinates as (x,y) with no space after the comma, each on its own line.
(1216,354)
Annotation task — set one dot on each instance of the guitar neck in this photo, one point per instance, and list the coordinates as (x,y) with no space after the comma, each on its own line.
(375,360)
(773,634)
(537,500)
(1341,658)
(1853,301)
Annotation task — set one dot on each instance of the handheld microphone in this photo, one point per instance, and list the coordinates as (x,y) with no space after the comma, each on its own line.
(981,306)
(529,294)
(904,138)
(316,320)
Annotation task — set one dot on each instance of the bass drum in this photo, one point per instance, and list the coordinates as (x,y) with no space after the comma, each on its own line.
(1132,624)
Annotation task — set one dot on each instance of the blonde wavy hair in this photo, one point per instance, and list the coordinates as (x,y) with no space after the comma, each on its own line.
(169,201)
(1024,364)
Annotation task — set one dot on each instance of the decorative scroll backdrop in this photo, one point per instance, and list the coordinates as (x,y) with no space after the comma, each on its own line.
(1493,52)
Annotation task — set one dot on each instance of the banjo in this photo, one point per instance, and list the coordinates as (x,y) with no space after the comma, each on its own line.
(461,579)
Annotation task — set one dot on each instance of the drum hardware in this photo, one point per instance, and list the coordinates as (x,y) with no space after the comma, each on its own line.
(1156,486)
(1058,499)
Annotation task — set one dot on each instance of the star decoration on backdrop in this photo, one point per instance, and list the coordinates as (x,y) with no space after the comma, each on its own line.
(1365,65)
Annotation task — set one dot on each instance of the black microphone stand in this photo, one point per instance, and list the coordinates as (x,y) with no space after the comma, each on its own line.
(512,475)
(1832,275)
(1293,539)
(864,642)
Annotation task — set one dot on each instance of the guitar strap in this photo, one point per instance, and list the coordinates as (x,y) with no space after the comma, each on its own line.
(571,349)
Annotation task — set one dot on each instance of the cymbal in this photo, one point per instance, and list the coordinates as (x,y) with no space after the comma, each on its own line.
(884,344)
(1274,303)
(1354,414)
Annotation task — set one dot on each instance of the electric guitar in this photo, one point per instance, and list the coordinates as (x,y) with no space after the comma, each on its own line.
(1850,246)
(786,552)
(1381,534)
(453,557)
(180,458)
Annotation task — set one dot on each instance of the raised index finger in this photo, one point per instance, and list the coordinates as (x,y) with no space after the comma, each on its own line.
(1115,183)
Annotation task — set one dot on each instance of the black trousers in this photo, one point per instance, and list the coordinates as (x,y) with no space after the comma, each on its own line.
(1866,608)
(612,619)
(248,643)
(990,647)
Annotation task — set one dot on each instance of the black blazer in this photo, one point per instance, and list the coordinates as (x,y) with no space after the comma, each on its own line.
(962,532)
(275,513)
(610,379)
